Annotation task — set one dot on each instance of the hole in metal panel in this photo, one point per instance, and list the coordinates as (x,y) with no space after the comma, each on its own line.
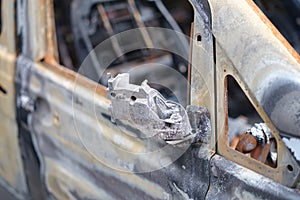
(290,168)
(3,90)
(199,38)
(247,132)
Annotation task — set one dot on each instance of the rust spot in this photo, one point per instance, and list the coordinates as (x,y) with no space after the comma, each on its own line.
(226,108)
(261,153)
(55,67)
(247,143)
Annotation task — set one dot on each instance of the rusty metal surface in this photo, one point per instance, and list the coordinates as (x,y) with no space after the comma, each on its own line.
(11,167)
(264,58)
(202,63)
(81,154)
(60,150)
(231,181)
(40,43)
(52,89)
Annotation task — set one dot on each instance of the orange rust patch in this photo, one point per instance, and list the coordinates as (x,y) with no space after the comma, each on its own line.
(101,90)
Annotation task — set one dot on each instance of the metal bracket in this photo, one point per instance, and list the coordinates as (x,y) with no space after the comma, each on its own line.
(145,109)
(249,48)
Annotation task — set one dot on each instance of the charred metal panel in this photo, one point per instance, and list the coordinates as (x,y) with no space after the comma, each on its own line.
(26,105)
(79,153)
(229,180)
(36,29)
(11,167)
(202,71)
(67,167)
(250,49)
(188,176)
(269,62)
(282,103)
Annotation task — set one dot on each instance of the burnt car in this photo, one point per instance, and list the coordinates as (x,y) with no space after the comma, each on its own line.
(112,100)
